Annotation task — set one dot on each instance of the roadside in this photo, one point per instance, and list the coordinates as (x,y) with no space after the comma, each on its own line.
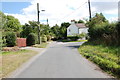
(106,57)
(12,60)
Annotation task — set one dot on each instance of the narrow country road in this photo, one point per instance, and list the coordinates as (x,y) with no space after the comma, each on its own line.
(62,60)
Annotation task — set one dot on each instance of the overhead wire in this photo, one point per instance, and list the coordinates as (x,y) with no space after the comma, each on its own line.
(72,12)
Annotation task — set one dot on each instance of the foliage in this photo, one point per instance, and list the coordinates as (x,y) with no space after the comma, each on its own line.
(10,39)
(118,32)
(63,32)
(107,57)
(73,38)
(2,20)
(65,24)
(31,39)
(56,31)
(44,38)
(26,30)
(48,37)
(82,35)
(44,30)
(12,23)
(81,21)
(101,31)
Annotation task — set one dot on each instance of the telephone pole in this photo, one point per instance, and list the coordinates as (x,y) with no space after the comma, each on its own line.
(39,42)
(47,22)
(89,10)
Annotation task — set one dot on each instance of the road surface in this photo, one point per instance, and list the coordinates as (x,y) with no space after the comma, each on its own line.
(62,60)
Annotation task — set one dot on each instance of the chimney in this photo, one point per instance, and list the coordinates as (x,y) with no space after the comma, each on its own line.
(72,21)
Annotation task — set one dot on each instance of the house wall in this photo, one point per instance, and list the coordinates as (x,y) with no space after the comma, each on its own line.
(72,30)
(83,30)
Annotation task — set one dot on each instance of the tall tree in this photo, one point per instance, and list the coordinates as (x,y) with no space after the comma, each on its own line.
(27,29)
(97,19)
(2,20)
(12,23)
(80,21)
(65,24)
(56,31)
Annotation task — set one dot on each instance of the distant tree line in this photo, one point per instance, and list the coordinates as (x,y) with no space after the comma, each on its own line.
(11,29)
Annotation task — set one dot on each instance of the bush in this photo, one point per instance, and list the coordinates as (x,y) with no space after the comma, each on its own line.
(73,38)
(31,39)
(10,39)
(44,38)
(82,35)
(48,37)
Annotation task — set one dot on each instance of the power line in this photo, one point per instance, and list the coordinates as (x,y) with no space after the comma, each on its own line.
(72,12)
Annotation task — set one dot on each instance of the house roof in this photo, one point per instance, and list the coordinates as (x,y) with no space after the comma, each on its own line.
(80,25)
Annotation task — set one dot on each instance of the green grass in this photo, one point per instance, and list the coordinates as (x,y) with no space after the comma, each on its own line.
(78,41)
(106,57)
(14,52)
(42,45)
(66,40)
(11,60)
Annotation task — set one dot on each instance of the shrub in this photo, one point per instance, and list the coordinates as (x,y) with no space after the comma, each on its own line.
(73,38)
(82,35)
(31,39)
(44,38)
(10,39)
(48,37)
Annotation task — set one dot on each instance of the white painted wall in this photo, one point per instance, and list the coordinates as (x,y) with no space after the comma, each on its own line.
(83,30)
(72,30)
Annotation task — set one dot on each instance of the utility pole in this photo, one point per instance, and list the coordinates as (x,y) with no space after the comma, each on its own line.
(39,42)
(47,22)
(119,11)
(89,10)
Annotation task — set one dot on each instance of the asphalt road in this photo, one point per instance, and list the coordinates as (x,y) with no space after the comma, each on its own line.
(62,60)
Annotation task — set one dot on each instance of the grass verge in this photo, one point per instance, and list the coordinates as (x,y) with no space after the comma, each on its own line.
(42,45)
(12,60)
(106,57)
(66,40)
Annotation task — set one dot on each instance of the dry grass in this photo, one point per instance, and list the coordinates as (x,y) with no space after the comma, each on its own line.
(12,60)
(42,45)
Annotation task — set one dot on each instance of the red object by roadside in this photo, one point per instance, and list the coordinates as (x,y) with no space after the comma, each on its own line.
(21,42)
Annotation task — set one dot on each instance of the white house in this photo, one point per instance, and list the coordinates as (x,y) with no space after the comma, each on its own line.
(76,28)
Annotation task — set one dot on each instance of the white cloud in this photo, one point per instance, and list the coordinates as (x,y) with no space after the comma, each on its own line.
(58,11)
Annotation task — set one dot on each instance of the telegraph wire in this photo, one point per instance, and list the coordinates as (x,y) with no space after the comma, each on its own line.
(72,12)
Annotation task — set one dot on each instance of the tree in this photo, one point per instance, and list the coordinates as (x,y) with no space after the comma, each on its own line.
(96,26)
(65,24)
(12,24)
(3,20)
(63,29)
(27,29)
(80,21)
(56,31)
(97,19)
(44,29)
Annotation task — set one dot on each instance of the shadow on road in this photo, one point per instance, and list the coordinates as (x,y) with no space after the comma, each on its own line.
(74,46)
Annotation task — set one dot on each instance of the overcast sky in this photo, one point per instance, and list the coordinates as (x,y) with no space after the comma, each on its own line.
(58,11)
